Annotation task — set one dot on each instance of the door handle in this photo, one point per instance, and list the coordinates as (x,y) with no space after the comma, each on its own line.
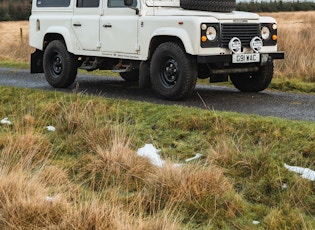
(77,24)
(107,26)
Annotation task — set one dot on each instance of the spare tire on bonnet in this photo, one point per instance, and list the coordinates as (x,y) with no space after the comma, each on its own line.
(209,5)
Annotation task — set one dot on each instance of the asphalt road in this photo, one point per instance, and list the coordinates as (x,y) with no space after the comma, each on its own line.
(267,103)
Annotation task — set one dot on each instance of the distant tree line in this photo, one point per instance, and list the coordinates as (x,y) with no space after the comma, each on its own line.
(15,10)
(275,6)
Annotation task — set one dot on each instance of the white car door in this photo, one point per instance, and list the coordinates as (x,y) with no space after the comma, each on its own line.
(86,24)
(118,28)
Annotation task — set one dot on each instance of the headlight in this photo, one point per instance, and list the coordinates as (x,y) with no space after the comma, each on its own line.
(235,45)
(256,44)
(211,33)
(265,33)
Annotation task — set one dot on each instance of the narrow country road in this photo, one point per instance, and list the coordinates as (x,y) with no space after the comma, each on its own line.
(267,103)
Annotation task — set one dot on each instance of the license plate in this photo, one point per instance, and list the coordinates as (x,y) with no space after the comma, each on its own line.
(245,58)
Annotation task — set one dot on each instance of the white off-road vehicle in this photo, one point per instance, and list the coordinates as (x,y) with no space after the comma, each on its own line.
(163,44)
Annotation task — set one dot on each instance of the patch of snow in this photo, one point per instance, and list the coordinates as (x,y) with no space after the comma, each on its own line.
(198,155)
(150,152)
(6,121)
(51,128)
(305,172)
(49,198)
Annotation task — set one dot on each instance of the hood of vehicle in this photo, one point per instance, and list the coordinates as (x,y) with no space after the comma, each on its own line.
(177,11)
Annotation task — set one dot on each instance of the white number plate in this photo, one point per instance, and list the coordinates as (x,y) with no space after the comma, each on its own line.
(245,58)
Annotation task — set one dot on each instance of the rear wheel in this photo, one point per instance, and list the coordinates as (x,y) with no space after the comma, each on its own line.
(60,66)
(173,72)
(254,82)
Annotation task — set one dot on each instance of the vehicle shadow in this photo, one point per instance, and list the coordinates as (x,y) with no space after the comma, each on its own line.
(210,97)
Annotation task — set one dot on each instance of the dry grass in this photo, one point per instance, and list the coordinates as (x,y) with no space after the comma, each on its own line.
(14,41)
(296,36)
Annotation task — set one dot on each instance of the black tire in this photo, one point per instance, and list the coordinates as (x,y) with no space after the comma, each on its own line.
(60,66)
(173,72)
(130,76)
(209,5)
(254,82)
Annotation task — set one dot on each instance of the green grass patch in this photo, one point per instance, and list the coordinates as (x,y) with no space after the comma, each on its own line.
(14,64)
(292,85)
(241,177)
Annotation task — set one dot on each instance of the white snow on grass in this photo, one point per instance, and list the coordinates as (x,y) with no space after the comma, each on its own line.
(6,121)
(255,222)
(198,155)
(152,153)
(149,151)
(305,172)
(51,128)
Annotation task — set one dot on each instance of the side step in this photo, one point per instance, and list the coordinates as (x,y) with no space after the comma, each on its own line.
(121,68)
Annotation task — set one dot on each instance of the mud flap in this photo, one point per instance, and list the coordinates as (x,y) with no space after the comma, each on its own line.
(144,75)
(37,62)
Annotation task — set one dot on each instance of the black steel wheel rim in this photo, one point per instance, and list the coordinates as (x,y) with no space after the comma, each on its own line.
(169,72)
(56,65)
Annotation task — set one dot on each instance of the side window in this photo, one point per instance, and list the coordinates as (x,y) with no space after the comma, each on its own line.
(52,3)
(119,3)
(88,3)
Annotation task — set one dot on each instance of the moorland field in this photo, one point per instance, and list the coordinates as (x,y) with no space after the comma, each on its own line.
(86,174)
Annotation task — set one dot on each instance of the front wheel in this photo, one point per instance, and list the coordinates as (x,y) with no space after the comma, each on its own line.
(60,66)
(173,72)
(254,82)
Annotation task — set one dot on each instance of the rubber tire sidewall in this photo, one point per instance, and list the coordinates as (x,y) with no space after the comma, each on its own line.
(254,82)
(68,67)
(187,71)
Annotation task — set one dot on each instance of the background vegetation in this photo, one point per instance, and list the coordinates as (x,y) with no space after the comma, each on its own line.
(16,10)
(276,6)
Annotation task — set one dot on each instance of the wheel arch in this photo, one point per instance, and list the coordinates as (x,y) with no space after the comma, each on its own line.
(58,34)
(179,36)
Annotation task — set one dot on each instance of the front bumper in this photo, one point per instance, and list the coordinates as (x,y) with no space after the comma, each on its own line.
(227,58)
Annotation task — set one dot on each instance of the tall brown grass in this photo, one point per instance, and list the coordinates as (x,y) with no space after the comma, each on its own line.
(14,41)
(296,36)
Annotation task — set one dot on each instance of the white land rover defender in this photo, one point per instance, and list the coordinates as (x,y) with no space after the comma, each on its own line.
(165,44)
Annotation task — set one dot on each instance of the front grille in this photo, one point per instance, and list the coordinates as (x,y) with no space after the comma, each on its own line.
(245,32)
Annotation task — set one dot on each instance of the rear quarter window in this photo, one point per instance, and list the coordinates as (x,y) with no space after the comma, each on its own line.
(53,3)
